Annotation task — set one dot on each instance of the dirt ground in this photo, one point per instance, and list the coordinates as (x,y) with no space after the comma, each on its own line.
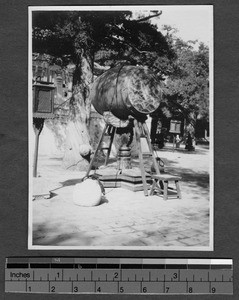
(126,219)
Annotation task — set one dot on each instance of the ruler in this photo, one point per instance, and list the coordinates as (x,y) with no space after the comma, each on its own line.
(118,275)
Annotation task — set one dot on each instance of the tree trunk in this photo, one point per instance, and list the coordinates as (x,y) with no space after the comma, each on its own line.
(78,148)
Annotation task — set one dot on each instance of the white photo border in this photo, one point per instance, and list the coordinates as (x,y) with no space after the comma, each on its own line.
(31,9)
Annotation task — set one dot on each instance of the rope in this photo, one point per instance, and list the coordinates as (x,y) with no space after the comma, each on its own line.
(159,160)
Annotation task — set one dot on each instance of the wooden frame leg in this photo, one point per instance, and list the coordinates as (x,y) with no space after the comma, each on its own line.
(112,134)
(153,187)
(178,189)
(165,190)
(96,151)
(141,163)
(160,182)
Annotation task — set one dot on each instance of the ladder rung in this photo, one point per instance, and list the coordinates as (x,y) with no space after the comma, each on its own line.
(147,153)
(104,148)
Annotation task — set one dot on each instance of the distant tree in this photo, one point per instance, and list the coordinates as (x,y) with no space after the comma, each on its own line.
(187,87)
(83,37)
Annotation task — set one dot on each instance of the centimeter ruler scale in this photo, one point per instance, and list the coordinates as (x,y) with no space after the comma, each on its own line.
(118,275)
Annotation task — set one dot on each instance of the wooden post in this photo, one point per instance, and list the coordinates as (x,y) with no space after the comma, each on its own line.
(173,141)
(112,134)
(155,164)
(141,163)
(96,150)
(38,125)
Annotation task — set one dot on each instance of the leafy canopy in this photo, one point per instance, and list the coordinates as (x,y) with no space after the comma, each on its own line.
(187,87)
(104,36)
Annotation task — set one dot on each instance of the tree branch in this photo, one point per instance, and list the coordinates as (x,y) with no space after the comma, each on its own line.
(125,42)
(149,17)
(135,48)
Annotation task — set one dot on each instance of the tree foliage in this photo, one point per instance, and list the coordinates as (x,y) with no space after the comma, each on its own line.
(106,36)
(187,87)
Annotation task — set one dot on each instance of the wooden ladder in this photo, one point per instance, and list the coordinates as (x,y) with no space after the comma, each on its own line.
(141,131)
(108,130)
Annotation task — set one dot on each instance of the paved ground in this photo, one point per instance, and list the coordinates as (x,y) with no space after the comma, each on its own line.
(125,218)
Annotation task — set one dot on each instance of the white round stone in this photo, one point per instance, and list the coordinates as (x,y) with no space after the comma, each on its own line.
(87,193)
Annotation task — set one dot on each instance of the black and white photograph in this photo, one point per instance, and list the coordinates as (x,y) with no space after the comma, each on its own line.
(120,106)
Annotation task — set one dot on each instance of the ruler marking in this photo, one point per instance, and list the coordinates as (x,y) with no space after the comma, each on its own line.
(134,280)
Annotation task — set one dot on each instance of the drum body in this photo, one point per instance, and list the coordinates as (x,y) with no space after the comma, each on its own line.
(126,90)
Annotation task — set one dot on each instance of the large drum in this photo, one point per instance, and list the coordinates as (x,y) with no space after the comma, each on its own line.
(126,90)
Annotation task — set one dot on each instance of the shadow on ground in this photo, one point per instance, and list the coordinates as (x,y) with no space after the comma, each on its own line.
(192,178)
(70,182)
(200,149)
(41,237)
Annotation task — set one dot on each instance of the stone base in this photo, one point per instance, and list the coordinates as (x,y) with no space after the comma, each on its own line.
(133,187)
(130,179)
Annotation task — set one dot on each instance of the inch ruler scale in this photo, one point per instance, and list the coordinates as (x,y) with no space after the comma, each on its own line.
(80,275)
